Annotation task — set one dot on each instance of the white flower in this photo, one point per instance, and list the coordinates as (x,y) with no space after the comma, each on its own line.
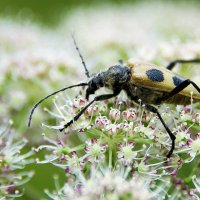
(126,154)
(11,161)
(106,185)
(95,150)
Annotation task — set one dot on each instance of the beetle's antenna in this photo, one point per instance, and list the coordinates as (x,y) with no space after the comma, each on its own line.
(80,55)
(39,102)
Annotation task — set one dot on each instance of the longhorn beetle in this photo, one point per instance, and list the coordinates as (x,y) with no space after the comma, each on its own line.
(149,83)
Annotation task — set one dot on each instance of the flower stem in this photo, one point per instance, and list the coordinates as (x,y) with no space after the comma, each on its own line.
(110,157)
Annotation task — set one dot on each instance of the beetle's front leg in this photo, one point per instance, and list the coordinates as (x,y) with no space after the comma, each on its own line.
(171,135)
(97,98)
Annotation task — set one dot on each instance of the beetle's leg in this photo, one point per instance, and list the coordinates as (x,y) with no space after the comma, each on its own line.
(171,135)
(178,89)
(172,64)
(97,98)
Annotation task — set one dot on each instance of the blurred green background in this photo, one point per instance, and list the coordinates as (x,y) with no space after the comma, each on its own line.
(50,12)
(47,14)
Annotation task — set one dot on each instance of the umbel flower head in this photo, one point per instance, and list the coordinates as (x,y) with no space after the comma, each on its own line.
(11,161)
(127,127)
(105,184)
(125,134)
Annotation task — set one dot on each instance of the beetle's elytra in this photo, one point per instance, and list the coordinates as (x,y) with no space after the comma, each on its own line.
(151,84)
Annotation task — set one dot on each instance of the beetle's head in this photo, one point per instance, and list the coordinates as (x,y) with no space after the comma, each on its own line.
(115,76)
(94,84)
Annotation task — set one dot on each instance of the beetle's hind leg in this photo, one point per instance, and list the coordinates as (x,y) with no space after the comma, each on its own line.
(173,63)
(178,89)
(171,135)
(175,91)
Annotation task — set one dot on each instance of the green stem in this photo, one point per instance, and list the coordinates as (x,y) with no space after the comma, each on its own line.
(110,157)
(80,147)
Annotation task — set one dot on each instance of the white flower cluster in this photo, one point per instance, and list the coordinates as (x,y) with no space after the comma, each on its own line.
(11,162)
(106,184)
(108,134)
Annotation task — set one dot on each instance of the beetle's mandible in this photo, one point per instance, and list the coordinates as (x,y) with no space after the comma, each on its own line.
(151,84)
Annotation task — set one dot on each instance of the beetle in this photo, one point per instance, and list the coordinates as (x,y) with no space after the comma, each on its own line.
(150,84)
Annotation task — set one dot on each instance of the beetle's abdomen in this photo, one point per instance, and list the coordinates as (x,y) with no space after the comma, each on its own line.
(180,100)
(149,96)
(146,95)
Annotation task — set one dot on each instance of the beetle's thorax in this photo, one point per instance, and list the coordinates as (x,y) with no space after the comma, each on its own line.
(115,77)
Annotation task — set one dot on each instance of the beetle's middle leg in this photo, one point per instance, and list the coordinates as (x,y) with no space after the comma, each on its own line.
(171,135)
(173,63)
(97,98)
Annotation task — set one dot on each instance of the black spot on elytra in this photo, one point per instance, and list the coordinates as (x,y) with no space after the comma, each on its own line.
(177,80)
(155,75)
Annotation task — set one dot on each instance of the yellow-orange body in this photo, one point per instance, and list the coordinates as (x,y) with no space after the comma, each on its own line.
(149,90)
